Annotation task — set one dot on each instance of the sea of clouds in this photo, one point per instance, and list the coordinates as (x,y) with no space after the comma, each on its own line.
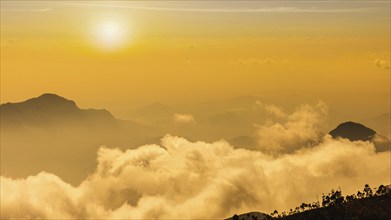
(183,179)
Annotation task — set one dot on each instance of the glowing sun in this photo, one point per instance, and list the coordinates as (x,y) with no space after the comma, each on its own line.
(111,34)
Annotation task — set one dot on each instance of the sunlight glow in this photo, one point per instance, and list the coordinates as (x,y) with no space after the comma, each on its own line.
(111,35)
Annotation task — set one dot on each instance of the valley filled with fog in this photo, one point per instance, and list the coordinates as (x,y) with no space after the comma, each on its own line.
(243,155)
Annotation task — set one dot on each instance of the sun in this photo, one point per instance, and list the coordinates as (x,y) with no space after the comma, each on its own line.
(111,34)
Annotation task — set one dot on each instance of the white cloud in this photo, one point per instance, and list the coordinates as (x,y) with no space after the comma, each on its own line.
(272,109)
(183,179)
(281,9)
(382,64)
(183,118)
(253,60)
(298,128)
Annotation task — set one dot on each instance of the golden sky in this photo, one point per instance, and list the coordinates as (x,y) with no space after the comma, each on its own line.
(196,57)
(121,55)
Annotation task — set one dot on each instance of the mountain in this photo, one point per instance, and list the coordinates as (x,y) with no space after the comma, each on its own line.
(250,216)
(225,119)
(52,133)
(369,205)
(372,208)
(51,109)
(243,141)
(353,131)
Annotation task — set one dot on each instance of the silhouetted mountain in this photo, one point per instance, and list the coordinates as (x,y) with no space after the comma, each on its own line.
(373,208)
(250,216)
(51,109)
(353,131)
(367,205)
(225,119)
(55,135)
(243,141)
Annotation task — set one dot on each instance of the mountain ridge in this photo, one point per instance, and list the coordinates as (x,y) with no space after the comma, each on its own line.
(53,125)
(51,109)
(353,131)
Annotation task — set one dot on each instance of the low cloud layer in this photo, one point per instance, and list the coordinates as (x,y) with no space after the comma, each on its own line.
(183,179)
(295,130)
(183,118)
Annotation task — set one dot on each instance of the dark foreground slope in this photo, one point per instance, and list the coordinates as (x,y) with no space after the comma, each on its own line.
(372,208)
(366,205)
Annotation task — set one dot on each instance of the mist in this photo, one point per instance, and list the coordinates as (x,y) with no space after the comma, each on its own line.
(82,168)
(184,179)
(190,110)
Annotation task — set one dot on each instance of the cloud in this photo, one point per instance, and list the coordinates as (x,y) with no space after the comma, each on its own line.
(382,143)
(8,42)
(281,9)
(256,61)
(272,109)
(197,180)
(183,118)
(297,129)
(27,9)
(382,64)
(188,180)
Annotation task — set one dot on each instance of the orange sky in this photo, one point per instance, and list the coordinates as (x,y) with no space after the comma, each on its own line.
(122,55)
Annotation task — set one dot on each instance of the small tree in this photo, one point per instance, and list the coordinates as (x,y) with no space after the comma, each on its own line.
(350,198)
(325,200)
(303,206)
(360,195)
(336,197)
(368,191)
(275,213)
(381,190)
(315,205)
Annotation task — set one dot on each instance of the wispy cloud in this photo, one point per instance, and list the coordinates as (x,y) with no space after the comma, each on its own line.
(183,118)
(281,9)
(253,60)
(28,9)
(382,64)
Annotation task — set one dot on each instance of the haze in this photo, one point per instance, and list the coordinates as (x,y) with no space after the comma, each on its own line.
(338,52)
(136,109)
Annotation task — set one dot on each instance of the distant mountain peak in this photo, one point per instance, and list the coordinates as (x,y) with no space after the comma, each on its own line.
(156,105)
(51,97)
(49,101)
(353,131)
(51,108)
(46,100)
(250,216)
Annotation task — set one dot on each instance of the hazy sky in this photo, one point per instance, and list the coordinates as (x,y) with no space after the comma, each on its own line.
(127,54)
(122,55)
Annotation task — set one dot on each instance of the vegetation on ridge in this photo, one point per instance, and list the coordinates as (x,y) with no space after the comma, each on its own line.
(368,204)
